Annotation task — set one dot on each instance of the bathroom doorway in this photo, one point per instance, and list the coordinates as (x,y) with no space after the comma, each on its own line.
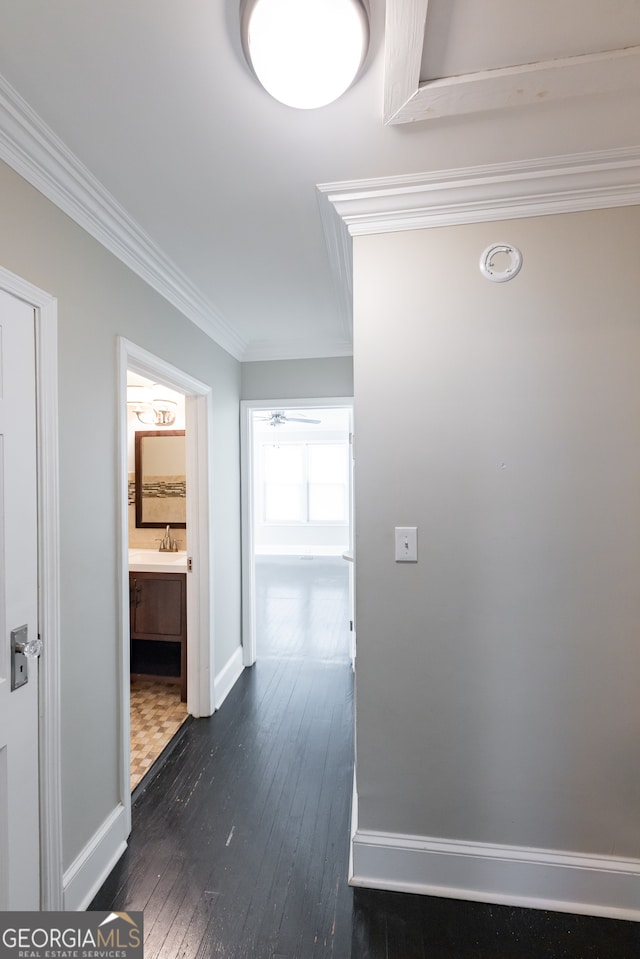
(156,482)
(165,581)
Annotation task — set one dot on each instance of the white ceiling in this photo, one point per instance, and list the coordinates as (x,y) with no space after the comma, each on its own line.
(156,100)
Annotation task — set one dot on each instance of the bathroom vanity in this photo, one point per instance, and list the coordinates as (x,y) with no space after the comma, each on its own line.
(158,614)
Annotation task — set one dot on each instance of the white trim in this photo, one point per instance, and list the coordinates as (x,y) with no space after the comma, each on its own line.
(510,875)
(90,868)
(200,637)
(228,676)
(201,699)
(248,571)
(122,570)
(339,251)
(501,191)
(34,151)
(49,559)
(313,551)
(407,100)
(247,407)
(353,826)
(46,359)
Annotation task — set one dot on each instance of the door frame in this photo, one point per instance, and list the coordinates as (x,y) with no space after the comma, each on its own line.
(247,477)
(198,447)
(45,309)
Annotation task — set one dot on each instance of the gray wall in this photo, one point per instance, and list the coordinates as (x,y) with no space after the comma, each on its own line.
(99,299)
(297,379)
(497,679)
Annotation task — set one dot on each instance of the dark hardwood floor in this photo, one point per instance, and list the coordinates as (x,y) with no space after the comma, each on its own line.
(240,841)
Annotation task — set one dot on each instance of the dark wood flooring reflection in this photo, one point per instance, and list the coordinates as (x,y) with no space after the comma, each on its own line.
(240,842)
(302,608)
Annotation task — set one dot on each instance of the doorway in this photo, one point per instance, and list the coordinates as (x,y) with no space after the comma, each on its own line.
(192,541)
(297,496)
(157,548)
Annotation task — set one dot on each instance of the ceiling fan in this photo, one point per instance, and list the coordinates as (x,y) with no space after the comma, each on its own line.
(278,418)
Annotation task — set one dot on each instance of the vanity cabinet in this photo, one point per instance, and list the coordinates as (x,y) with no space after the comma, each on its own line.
(158,613)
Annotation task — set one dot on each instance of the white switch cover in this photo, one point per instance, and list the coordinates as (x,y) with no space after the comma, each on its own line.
(406,544)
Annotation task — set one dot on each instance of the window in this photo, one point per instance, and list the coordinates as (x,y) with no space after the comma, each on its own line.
(283,484)
(305,483)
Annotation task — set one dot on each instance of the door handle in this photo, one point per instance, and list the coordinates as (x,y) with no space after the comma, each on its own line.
(134,594)
(31,650)
(22,650)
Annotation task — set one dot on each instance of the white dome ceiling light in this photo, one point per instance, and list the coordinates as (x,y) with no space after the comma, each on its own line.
(305,53)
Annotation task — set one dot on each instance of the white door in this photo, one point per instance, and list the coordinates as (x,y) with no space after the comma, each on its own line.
(19,794)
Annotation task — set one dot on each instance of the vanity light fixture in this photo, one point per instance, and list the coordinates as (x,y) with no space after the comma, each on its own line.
(150,406)
(305,53)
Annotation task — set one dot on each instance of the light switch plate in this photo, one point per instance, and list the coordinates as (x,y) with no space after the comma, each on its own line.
(406,544)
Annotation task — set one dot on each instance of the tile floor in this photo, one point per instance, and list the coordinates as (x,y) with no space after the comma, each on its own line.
(156,716)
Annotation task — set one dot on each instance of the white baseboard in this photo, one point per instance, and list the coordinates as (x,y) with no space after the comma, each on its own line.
(506,875)
(227,677)
(89,870)
(353,829)
(300,550)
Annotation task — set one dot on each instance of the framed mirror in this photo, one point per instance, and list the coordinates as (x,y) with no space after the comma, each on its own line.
(160,477)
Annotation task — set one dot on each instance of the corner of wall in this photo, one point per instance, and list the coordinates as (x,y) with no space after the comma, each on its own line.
(227,677)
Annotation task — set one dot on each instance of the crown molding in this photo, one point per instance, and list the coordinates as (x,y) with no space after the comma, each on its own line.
(407,99)
(339,251)
(34,151)
(502,191)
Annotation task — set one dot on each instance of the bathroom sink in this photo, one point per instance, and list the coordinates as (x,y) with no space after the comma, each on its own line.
(150,560)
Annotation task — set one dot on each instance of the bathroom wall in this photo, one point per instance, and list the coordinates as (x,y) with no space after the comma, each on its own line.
(143,537)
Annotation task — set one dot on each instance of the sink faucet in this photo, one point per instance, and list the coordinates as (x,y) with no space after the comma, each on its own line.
(168,544)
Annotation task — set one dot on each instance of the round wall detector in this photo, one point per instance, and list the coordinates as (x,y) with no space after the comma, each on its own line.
(500,262)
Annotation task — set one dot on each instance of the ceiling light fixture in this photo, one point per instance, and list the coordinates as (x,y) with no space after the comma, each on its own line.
(305,53)
(150,406)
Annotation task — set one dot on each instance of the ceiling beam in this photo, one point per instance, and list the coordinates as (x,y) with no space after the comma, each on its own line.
(407,99)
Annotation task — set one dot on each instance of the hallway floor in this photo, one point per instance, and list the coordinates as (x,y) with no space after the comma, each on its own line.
(240,842)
